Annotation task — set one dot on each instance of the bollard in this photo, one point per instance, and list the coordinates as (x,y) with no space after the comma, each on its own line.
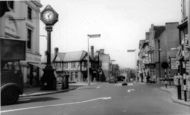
(179,87)
(185,90)
(185,95)
(179,91)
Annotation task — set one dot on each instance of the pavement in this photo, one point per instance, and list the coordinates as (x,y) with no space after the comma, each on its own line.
(35,91)
(173,92)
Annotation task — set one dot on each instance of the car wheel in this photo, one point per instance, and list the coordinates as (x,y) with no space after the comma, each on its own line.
(9,95)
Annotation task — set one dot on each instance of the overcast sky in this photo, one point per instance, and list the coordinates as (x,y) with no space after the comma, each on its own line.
(121,23)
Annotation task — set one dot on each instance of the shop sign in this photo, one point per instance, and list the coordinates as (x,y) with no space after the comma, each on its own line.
(33,58)
(188,82)
(174,63)
(188,66)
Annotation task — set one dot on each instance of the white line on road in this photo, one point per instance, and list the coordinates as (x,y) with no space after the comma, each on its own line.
(130,84)
(98,87)
(63,104)
(129,90)
(120,84)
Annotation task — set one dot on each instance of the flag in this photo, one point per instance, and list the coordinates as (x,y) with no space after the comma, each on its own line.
(94,35)
(133,50)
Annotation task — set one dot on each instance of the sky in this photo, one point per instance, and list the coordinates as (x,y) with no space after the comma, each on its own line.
(121,23)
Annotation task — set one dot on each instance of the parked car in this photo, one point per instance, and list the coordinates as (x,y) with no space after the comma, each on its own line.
(11,74)
(124,83)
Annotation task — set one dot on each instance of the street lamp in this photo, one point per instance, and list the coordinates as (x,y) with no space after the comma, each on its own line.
(131,51)
(111,66)
(88,64)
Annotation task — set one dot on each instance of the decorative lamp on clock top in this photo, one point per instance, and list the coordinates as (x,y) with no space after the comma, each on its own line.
(49,16)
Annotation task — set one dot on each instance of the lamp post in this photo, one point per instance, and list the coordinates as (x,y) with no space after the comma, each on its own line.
(111,66)
(131,51)
(88,59)
(49,16)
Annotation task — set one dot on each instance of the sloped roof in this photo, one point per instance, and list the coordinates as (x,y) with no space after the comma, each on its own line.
(71,56)
(68,56)
(74,56)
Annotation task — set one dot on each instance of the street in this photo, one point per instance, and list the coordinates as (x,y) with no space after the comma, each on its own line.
(101,99)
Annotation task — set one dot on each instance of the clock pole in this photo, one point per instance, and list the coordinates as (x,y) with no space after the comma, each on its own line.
(49,30)
(48,80)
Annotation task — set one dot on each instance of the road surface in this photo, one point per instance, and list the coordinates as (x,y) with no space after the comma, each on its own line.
(101,99)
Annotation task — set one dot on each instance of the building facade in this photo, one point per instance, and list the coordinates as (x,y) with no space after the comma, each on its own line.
(143,59)
(155,51)
(168,40)
(184,33)
(105,64)
(22,23)
(74,64)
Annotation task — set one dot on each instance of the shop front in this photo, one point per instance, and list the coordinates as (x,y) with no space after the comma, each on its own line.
(32,70)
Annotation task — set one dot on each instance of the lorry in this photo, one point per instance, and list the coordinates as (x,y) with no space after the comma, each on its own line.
(12,51)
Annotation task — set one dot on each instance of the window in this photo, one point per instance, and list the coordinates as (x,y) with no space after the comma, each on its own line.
(29,38)
(65,65)
(73,65)
(29,13)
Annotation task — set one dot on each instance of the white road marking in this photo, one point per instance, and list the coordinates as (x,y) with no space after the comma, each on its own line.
(98,87)
(63,104)
(130,90)
(120,84)
(130,84)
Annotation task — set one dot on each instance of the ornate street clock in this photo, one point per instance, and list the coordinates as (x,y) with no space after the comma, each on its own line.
(49,16)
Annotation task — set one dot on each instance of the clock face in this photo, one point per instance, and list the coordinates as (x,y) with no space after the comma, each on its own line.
(48,16)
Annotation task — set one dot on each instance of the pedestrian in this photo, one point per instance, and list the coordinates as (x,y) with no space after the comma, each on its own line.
(141,76)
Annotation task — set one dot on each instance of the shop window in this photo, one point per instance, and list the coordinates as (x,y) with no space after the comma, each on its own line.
(73,65)
(66,65)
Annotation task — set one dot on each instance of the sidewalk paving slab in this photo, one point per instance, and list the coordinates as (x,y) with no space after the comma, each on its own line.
(173,93)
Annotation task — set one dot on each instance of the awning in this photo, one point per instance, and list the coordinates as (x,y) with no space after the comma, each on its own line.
(183,25)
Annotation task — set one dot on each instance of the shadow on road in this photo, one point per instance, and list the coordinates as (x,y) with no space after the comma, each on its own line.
(36,99)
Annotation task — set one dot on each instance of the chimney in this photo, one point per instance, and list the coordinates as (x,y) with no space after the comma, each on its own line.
(56,51)
(147,35)
(92,51)
(102,51)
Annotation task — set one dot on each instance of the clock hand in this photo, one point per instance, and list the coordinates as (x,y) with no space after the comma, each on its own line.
(48,15)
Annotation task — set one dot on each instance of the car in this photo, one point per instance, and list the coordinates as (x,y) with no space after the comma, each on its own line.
(112,81)
(124,83)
